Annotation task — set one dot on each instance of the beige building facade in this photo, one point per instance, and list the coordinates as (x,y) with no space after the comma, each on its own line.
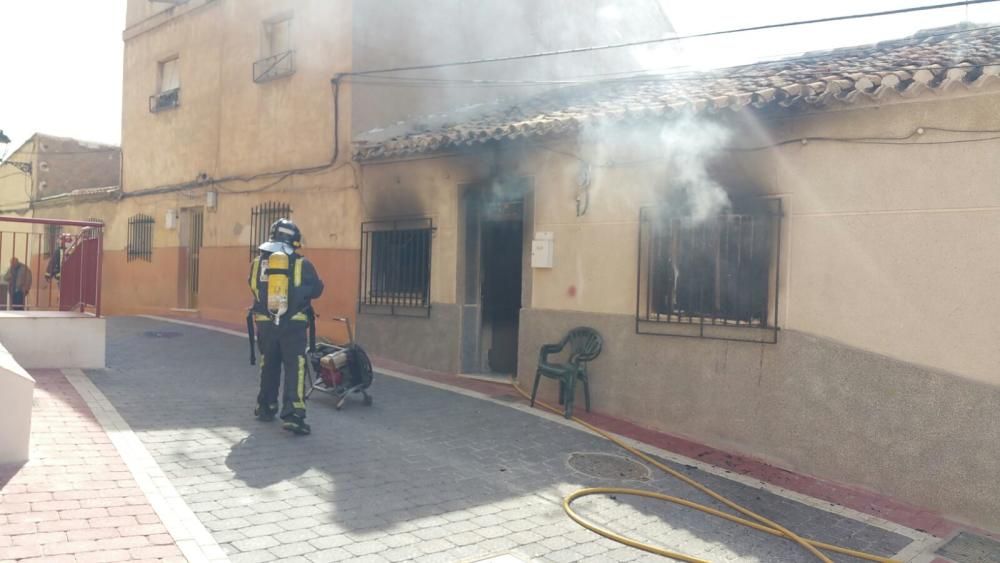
(232,108)
(869,354)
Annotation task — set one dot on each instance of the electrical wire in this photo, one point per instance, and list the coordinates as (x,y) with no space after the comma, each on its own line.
(641,78)
(674,38)
(902,140)
(663,73)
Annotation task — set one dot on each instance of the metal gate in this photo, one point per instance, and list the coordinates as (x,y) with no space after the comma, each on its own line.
(196,225)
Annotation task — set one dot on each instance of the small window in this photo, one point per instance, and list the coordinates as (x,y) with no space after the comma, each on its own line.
(261,219)
(711,278)
(277,36)
(168,86)
(169,76)
(140,238)
(277,55)
(396,266)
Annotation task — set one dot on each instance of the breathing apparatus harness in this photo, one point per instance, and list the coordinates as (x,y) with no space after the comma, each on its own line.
(275,264)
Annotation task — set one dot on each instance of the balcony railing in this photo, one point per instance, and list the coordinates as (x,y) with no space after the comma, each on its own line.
(165,100)
(273,67)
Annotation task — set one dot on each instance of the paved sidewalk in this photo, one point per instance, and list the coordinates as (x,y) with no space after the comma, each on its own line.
(425,474)
(75,500)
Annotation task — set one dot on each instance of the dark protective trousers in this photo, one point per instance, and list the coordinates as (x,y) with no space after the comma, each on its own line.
(283,345)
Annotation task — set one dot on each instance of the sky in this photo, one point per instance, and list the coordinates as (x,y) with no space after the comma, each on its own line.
(62,59)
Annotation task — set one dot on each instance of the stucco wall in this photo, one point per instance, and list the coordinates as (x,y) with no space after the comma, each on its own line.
(888,248)
(226,123)
(888,346)
(807,404)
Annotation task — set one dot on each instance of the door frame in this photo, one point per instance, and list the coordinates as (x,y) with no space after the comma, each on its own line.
(474,334)
(190,262)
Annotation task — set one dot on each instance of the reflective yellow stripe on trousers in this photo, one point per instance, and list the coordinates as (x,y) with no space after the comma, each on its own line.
(300,404)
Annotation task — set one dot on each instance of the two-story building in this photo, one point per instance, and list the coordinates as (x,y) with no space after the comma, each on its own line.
(236,113)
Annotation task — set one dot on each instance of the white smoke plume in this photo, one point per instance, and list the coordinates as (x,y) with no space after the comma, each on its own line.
(679,154)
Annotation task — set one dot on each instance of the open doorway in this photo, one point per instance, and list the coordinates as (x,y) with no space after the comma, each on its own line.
(494,219)
(502,252)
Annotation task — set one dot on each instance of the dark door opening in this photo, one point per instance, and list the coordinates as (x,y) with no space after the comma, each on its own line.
(502,246)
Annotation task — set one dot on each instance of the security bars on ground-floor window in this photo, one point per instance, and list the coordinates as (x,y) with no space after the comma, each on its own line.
(395,273)
(261,219)
(140,238)
(715,278)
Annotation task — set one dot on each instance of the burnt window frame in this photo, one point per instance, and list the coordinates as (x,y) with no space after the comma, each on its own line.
(735,297)
(394,277)
(262,216)
(140,238)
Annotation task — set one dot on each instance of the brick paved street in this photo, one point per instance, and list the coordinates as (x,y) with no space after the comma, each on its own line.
(75,500)
(425,474)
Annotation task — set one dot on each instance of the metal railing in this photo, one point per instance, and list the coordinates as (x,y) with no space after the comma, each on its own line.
(395,273)
(273,67)
(261,219)
(165,100)
(64,277)
(710,279)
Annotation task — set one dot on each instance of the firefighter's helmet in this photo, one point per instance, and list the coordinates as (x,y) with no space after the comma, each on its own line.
(285,236)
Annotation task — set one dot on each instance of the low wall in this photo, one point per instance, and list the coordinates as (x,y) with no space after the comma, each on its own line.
(17,389)
(52,339)
(430,343)
(807,404)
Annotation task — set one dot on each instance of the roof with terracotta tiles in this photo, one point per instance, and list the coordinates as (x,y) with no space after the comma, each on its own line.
(961,56)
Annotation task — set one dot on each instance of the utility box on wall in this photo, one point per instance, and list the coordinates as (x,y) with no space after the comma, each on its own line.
(542,250)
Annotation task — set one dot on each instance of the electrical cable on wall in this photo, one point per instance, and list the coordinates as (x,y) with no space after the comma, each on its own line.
(888,140)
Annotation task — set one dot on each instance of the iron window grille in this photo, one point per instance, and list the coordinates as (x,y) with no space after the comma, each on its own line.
(261,219)
(395,273)
(140,238)
(274,67)
(717,278)
(165,100)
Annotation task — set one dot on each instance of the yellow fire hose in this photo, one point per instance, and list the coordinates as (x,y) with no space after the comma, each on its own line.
(761,523)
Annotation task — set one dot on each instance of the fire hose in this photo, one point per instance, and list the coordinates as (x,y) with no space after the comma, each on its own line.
(755,521)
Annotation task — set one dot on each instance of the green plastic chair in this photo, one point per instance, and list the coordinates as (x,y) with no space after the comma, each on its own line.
(584,345)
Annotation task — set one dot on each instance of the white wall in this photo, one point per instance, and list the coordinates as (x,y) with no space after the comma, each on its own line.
(16,388)
(53,340)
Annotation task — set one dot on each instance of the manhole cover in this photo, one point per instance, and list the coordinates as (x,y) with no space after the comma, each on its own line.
(970,548)
(161,334)
(608,466)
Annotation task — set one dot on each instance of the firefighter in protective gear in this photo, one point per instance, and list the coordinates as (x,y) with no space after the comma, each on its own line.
(283,285)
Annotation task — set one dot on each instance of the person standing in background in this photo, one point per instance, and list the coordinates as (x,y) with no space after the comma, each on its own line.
(18,279)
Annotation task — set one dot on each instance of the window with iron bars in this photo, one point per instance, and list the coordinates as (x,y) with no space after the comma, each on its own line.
(396,267)
(140,238)
(716,278)
(261,219)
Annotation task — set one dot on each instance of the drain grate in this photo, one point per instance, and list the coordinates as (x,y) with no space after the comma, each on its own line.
(161,334)
(608,466)
(970,548)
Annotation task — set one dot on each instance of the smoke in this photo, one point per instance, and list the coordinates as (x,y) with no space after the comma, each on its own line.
(683,149)
(689,145)
(397,33)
